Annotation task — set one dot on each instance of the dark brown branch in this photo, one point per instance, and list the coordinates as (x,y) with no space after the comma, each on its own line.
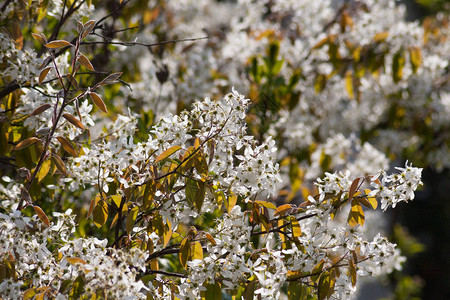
(130,44)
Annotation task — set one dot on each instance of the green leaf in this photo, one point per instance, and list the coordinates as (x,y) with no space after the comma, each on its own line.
(131,219)
(195,193)
(352,269)
(415,56)
(100,214)
(213,291)
(77,288)
(324,285)
(398,62)
(185,248)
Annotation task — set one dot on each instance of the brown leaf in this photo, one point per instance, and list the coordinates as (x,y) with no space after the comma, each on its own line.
(98,102)
(25,195)
(25,143)
(82,59)
(88,26)
(40,37)
(112,78)
(41,214)
(59,164)
(40,109)
(43,74)
(67,145)
(58,44)
(73,120)
(72,80)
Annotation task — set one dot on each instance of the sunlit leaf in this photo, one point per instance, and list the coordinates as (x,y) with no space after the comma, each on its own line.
(40,37)
(41,214)
(43,74)
(131,219)
(73,120)
(283,210)
(83,60)
(58,44)
(67,145)
(100,213)
(98,102)
(167,153)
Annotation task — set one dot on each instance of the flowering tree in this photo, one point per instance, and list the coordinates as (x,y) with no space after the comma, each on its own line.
(116,184)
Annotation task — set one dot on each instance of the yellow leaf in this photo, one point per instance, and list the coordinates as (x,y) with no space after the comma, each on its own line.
(296,230)
(231,202)
(43,171)
(75,261)
(196,251)
(381,36)
(100,213)
(266,204)
(356,214)
(167,153)
(58,44)
(349,84)
(98,102)
(41,214)
(415,56)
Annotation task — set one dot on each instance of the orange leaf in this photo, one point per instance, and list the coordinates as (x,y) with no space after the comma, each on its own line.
(85,62)
(40,37)
(67,145)
(58,44)
(282,210)
(98,102)
(43,74)
(353,188)
(25,143)
(40,109)
(41,214)
(73,120)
